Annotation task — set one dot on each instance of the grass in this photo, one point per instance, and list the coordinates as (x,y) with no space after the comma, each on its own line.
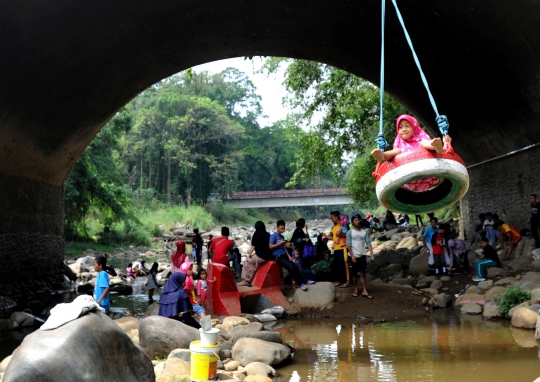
(76,249)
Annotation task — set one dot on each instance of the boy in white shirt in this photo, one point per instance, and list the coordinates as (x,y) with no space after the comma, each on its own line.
(357,240)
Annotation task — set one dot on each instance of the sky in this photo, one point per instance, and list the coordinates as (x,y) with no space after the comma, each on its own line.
(268,87)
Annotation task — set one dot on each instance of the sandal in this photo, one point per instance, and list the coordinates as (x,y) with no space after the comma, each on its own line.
(355,294)
(368,296)
(303,287)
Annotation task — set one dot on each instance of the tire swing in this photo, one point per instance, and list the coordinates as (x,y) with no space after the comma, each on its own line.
(418,181)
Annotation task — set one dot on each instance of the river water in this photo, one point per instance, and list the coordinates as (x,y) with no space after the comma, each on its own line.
(445,347)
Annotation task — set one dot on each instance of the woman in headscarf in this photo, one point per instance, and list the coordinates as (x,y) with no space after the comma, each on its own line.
(174,302)
(259,253)
(179,257)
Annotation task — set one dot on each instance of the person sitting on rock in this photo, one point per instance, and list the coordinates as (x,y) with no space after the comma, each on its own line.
(389,219)
(510,233)
(491,233)
(488,258)
(258,254)
(174,301)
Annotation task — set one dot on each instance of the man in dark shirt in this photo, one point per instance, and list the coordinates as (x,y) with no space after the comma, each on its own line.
(535,218)
(198,243)
(489,258)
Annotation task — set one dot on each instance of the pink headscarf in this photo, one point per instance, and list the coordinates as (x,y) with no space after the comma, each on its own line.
(184,268)
(413,142)
(179,257)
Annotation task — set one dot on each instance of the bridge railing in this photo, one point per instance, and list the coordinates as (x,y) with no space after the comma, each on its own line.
(288,193)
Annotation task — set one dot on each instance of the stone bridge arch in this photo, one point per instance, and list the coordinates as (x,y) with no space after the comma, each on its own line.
(67,66)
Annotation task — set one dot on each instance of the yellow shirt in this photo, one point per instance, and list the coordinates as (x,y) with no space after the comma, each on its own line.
(337,246)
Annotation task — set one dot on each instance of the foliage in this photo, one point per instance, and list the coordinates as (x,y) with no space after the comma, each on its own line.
(513,296)
(342,112)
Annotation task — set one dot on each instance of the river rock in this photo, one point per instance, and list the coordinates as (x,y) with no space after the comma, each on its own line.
(419,264)
(431,291)
(485,285)
(69,272)
(524,318)
(533,277)
(247,350)
(441,300)
(263,335)
(505,281)
(522,305)
(528,286)
(491,311)
(90,348)
(521,263)
(407,242)
(232,365)
(183,354)
(319,295)
(471,309)
(495,292)
(437,284)
(469,298)
(535,296)
(235,321)
(493,272)
(22,319)
(251,327)
(536,265)
(474,289)
(174,369)
(391,270)
(121,289)
(259,368)
(86,261)
(162,335)
(78,268)
(257,378)
(7,324)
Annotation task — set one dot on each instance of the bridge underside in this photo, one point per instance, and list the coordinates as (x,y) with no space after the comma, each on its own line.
(67,66)
(303,201)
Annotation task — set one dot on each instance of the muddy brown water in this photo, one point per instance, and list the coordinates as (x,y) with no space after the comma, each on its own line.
(445,347)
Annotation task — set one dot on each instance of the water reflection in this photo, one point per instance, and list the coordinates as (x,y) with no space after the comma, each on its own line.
(447,347)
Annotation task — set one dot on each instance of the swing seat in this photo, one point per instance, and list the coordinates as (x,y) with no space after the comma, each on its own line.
(421,181)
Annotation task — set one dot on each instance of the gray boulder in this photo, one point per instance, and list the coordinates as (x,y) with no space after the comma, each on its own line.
(183,354)
(390,270)
(536,265)
(524,318)
(248,350)
(319,295)
(521,263)
(419,264)
(491,311)
(437,284)
(493,272)
(471,309)
(90,348)
(263,335)
(162,335)
(535,296)
(485,285)
(441,300)
(533,277)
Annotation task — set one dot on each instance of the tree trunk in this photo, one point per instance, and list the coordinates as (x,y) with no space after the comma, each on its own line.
(150,170)
(169,178)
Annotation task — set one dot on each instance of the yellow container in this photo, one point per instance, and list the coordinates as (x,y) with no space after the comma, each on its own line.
(203,361)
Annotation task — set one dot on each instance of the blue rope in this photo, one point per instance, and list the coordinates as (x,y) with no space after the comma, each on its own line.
(441,120)
(381,142)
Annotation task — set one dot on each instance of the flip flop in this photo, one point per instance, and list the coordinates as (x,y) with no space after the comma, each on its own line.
(355,294)
(344,286)
(368,296)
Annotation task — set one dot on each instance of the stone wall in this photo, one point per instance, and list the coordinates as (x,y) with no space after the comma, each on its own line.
(502,186)
(31,237)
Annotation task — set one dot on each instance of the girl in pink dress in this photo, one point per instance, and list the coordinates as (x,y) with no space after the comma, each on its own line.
(410,136)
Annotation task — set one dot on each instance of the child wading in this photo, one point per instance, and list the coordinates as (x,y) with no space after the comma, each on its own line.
(152,282)
(357,240)
(101,291)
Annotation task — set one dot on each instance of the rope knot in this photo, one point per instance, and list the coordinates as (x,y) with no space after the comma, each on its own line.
(443,124)
(381,142)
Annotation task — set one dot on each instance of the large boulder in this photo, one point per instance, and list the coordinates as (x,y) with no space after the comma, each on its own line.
(533,277)
(419,264)
(174,369)
(471,309)
(248,350)
(87,262)
(495,293)
(391,270)
(521,263)
(491,311)
(162,335)
(70,274)
(22,319)
(319,295)
(493,272)
(263,335)
(524,318)
(90,348)
(407,242)
(387,257)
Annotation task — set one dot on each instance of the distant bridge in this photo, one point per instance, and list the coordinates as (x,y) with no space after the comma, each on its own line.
(290,198)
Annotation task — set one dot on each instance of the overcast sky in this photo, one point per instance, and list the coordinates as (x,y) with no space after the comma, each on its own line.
(268,87)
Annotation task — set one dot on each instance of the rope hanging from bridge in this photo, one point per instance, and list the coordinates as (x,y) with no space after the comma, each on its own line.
(442,120)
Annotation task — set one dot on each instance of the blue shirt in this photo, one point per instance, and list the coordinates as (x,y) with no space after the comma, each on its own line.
(102,283)
(428,233)
(274,239)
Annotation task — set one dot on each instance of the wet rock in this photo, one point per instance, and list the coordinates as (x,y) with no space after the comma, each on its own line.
(493,272)
(319,295)
(524,318)
(85,288)
(69,272)
(91,341)
(174,368)
(491,311)
(471,309)
(485,285)
(441,300)
(162,335)
(259,368)
(495,292)
(419,264)
(247,350)
(121,289)
(87,262)
(524,338)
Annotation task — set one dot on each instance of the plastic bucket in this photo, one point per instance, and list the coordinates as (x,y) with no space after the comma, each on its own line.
(210,337)
(203,361)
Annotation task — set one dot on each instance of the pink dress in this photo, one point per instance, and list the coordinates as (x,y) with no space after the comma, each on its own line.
(411,144)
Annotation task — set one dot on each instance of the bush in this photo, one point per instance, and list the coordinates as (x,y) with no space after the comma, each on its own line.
(513,297)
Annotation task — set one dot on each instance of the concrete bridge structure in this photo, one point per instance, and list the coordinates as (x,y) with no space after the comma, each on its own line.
(67,67)
(290,198)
